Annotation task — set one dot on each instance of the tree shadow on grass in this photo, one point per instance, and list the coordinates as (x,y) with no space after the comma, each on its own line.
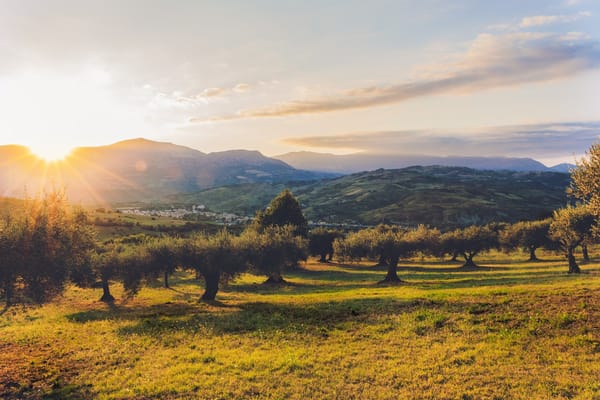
(120,312)
(264,318)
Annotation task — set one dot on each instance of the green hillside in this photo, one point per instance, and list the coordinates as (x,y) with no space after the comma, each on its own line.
(437,196)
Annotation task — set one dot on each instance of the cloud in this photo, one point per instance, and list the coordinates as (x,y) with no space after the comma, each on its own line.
(539,20)
(538,140)
(216,92)
(491,61)
(241,87)
(213,92)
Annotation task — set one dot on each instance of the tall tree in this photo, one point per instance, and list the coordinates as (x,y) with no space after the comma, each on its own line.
(283,210)
(570,227)
(585,179)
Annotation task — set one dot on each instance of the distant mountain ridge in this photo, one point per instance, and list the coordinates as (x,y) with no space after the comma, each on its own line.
(444,197)
(138,169)
(358,162)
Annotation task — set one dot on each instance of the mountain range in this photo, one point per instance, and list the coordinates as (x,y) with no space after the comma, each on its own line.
(358,162)
(444,197)
(243,181)
(138,169)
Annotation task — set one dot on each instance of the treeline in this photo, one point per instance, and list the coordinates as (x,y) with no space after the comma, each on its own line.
(568,229)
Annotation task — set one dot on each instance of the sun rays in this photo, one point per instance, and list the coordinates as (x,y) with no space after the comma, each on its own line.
(78,175)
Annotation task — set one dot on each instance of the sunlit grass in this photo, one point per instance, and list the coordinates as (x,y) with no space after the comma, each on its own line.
(510,330)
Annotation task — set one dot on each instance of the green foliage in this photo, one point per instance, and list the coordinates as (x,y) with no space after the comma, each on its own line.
(388,244)
(570,227)
(469,242)
(126,263)
(216,258)
(163,256)
(320,243)
(273,250)
(528,235)
(44,244)
(585,179)
(283,210)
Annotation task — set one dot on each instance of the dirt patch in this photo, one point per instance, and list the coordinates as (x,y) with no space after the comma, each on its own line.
(35,372)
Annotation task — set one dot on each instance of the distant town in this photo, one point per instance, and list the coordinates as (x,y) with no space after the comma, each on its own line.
(198,211)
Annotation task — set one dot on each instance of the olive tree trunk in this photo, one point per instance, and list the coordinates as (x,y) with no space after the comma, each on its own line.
(392,271)
(573,266)
(532,256)
(275,277)
(469,263)
(167,279)
(584,252)
(106,296)
(211,282)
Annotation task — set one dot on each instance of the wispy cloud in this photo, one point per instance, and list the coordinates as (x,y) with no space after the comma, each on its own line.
(219,92)
(538,140)
(492,61)
(213,92)
(539,20)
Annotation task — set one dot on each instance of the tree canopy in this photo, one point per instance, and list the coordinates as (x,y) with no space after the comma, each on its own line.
(283,210)
(570,227)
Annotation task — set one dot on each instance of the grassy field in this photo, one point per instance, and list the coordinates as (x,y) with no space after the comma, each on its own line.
(511,330)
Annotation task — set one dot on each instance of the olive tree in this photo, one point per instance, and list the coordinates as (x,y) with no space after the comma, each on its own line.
(385,243)
(570,227)
(527,235)
(585,179)
(42,246)
(163,256)
(216,258)
(320,243)
(470,242)
(273,250)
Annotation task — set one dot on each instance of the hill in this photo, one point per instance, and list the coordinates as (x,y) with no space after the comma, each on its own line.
(138,169)
(438,196)
(358,162)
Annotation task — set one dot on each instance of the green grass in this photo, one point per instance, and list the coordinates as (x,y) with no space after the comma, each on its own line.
(510,330)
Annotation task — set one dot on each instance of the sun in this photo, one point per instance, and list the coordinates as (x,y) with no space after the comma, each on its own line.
(50,152)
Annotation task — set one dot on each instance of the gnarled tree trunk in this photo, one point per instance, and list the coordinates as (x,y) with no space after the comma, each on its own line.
(382,262)
(532,256)
(275,277)
(8,289)
(584,252)
(106,296)
(573,267)
(469,263)
(211,282)
(392,272)
(455,256)
(167,279)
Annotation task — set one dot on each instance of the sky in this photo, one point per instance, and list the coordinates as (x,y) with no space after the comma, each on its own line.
(436,77)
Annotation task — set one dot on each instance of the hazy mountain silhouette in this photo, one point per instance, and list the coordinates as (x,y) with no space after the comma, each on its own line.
(138,169)
(357,162)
